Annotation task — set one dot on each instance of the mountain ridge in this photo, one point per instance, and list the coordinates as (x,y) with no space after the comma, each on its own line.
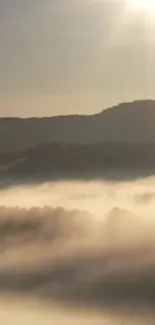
(76,161)
(126,122)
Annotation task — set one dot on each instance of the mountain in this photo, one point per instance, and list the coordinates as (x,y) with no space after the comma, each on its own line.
(129,232)
(127,229)
(55,160)
(128,122)
(121,220)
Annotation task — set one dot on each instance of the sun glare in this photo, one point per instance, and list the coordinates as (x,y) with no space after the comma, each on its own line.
(148,5)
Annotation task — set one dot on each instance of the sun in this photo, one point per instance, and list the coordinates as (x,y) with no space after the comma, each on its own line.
(147,5)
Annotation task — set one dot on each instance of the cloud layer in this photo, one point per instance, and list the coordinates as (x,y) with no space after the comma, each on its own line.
(69,257)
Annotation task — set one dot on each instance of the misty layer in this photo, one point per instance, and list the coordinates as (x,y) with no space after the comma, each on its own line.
(36,224)
(69,256)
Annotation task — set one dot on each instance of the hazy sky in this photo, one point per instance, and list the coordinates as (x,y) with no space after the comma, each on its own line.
(73,56)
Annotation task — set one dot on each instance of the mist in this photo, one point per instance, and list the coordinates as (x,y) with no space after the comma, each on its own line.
(80,250)
(95,196)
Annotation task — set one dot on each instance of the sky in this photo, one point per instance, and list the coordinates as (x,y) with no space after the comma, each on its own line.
(74,56)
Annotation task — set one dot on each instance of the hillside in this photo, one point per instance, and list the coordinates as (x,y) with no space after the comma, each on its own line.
(129,231)
(127,122)
(75,160)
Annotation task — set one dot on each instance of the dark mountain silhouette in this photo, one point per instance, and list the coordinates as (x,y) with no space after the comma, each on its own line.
(121,138)
(59,160)
(127,122)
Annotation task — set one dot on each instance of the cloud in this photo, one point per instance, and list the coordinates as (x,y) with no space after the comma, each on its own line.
(52,253)
(18,226)
(93,280)
(145,197)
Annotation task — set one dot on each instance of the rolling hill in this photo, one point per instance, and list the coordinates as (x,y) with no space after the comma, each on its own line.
(128,122)
(57,160)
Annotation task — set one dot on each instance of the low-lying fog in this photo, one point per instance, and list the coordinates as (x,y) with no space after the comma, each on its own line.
(78,253)
(94,196)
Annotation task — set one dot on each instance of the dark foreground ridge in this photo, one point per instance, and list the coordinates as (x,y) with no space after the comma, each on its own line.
(57,160)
